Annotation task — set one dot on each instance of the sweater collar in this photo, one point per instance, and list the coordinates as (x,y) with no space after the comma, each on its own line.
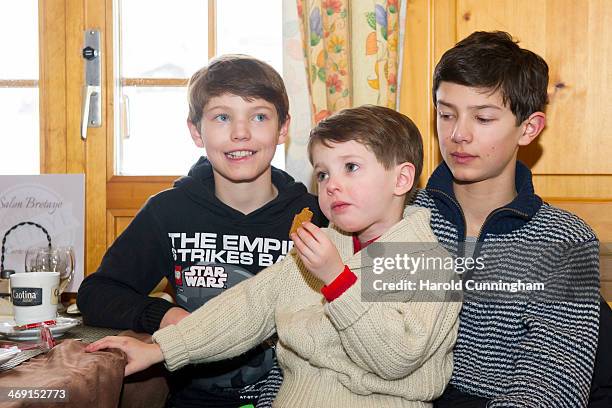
(358,245)
(502,220)
(413,227)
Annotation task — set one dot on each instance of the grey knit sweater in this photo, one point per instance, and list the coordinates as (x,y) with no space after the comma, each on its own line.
(345,353)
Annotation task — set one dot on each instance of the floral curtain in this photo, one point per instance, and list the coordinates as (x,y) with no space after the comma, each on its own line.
(296,82)
(350,49)
(351,53)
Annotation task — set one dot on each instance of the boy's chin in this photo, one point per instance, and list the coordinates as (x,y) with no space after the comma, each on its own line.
(466,176)
(346,227)
(474,176)
(465,180)
(241,175)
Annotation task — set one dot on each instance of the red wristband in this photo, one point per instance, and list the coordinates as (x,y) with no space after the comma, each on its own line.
(345,280)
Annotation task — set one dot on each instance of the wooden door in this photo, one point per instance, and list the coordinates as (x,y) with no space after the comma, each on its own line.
(62,150)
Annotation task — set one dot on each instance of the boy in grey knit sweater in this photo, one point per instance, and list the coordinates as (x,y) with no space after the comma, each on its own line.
(526,348)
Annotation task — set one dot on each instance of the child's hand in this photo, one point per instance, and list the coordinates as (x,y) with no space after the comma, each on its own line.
(140,355)
(317,252)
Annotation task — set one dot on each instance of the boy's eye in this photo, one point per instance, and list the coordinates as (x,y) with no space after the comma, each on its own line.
(444,115)
(260,117)
(351,167)
(484,120)
(222,117)
(321,176)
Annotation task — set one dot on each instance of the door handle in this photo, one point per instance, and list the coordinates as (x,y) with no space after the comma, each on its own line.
(125,118)
(88,118)
(92,91)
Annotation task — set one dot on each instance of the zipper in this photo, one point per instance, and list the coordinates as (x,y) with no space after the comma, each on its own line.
(458,206)
(477,247)
(522,214)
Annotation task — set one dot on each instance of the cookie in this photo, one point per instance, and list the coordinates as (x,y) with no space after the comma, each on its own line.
(304,216)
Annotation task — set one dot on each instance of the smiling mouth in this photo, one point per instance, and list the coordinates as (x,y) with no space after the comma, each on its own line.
(239,154)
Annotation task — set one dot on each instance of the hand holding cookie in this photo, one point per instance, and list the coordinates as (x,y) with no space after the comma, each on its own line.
(317,252)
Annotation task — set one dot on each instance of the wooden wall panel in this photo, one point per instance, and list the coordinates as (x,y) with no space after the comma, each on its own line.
(430,25)
(416,77)
(75,75)
(52,84)
(573,187)
(132,192)
(574,38)
(121,224)
(116,222)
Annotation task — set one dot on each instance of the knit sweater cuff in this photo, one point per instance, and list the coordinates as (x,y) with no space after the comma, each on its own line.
(347,308)
(338,286)
(172,345)
(152,315)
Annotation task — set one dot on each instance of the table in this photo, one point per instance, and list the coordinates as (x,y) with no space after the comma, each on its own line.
(92,379)
(87,334)
(65,376)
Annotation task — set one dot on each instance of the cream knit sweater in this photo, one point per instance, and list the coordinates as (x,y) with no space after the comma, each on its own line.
(345,353)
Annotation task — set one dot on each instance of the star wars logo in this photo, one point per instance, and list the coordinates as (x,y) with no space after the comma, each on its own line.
(205,276)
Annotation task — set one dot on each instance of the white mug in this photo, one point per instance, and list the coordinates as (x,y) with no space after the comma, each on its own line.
(35,296)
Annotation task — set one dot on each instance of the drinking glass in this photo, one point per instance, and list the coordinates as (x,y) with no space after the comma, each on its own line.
(67,272)
(31,264)
(52,259)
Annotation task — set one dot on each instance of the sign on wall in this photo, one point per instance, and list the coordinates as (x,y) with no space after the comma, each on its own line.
(54,201)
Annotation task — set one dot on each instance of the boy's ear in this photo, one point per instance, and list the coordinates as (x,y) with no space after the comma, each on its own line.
(284,131)
(404,178)
(534,125)
(195,134)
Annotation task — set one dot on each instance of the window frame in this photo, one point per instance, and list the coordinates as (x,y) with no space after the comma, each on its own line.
(117,115)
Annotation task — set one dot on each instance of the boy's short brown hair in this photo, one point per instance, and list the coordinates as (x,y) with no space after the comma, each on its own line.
(492,61)
(390,135)
(239,75)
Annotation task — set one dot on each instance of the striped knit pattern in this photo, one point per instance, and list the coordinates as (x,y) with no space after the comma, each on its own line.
(527,354)
(269,390)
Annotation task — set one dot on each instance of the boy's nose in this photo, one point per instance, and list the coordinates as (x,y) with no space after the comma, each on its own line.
(461,132)
(332,185)
(240,131)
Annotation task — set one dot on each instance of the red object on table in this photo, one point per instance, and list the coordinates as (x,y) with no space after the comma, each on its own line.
(35,325)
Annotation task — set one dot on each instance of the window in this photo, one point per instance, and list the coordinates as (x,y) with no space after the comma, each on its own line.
(19,112)
(158,45)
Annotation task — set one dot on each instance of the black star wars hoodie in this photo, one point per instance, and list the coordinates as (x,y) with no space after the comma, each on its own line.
(203,247)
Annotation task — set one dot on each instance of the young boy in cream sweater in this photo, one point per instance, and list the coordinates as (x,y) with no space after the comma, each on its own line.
(335,349)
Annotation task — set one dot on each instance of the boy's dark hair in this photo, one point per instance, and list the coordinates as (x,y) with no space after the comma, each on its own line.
(239,75)
(390,135)
(492,60)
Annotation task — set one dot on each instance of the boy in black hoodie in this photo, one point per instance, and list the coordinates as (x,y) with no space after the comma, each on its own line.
(224,222)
